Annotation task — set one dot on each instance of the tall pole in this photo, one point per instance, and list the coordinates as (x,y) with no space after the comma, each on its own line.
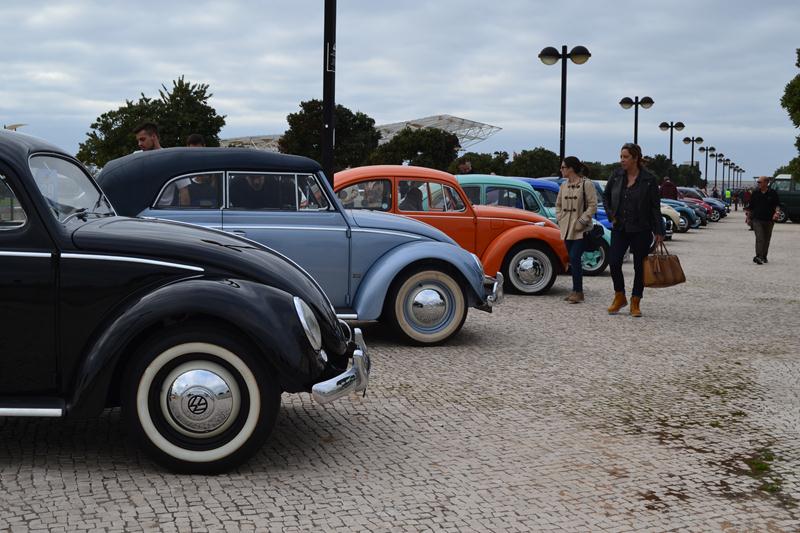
(562,141)
(671,129)
(636,120)
(329,90)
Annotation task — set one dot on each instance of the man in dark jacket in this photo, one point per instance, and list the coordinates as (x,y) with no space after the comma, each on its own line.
(669,189)
(762,211)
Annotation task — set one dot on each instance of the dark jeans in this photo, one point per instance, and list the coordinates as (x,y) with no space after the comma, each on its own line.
(763,229)
(576,249)
(639,243)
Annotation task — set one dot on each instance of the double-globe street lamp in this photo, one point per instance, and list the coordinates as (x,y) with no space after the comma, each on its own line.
(718,158)
(550,56)
(693,141)
(626,103)
(671,126)
(707,151)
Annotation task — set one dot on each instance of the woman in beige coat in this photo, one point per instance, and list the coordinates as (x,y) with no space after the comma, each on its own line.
(575,206)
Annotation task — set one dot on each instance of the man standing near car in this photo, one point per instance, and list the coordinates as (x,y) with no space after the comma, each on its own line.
(669,189)
(147,137)
(762,211)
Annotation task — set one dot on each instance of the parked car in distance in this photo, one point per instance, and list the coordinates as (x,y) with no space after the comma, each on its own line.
(193,332)
(488,189)
(372,266)
(788,191)
(526,247)
(548,188)
(693,192)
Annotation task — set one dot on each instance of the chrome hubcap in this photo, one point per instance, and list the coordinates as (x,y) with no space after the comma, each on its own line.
(428,307)
(201,400)
(528,270)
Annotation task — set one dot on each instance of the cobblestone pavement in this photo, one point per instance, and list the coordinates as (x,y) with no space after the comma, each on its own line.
(540,417)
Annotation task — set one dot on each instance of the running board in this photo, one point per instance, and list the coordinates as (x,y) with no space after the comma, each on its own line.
(38,407)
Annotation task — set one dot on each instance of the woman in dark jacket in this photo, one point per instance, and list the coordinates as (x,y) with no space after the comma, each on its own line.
(633,205)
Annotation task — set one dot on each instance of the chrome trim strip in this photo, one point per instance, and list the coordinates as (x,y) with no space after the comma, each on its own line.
(131,260)
(234,225)
(346,317)
(26,254)
(355,379)
(387,232)
(31,411)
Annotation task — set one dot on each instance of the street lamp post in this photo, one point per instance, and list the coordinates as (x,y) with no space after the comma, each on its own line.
(718,157)
(329,90)
(550,56)
(725,164)
(664,126)
(707,151)
(693,141)
(626,103)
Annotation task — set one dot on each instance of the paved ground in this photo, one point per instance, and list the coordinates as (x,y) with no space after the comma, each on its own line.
(541,417)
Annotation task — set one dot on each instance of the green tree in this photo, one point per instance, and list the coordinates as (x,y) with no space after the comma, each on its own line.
(356,136)
(791,103)
(482,163)
(689,176)
(660,166)
(424,147)
(535,163)
(178,112)
(600,171)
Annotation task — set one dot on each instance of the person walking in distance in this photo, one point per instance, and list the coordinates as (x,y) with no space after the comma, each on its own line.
(576,204)
(669,189)
(634,208)
(762,211)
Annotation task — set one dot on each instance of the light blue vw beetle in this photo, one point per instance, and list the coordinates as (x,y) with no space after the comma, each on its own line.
(488,189)
(372,265)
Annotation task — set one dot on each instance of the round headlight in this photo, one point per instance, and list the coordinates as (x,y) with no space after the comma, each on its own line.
(309,322)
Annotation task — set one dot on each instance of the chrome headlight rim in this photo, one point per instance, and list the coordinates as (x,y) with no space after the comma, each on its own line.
(477,261)
(309,322)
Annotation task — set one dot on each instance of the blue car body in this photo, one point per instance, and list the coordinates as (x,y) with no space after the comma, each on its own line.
(548,188)
(686,211)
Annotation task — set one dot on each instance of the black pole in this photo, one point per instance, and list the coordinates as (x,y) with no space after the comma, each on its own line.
(563,102)
(705,174)
(329,90)
(635,120)
(715,173)
(671,130)
(692,163)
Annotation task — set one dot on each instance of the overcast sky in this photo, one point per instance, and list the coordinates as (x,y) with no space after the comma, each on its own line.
(718,66)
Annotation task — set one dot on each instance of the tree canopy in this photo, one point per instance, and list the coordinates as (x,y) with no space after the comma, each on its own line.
(791,103)
(356,136)
(482,163)
(178,112)
(535,163)
(425,147)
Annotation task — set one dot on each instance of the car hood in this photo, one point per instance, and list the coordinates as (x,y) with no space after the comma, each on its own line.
(490,211)
(386,221)
(215,251)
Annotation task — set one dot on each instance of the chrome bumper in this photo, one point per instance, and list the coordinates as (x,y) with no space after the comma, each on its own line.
(494,292)
(355,379)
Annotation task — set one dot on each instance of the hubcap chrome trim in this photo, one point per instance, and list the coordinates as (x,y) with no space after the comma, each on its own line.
(428,306)
(200,399)
(529,270)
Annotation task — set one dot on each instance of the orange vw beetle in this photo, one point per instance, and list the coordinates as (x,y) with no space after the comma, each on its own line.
(525,247)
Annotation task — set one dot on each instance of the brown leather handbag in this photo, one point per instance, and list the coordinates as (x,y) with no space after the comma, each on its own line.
(662,269)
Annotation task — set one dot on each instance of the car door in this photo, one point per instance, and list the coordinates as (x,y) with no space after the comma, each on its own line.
(28,343)
(441,206)
(195,198)
(291,213)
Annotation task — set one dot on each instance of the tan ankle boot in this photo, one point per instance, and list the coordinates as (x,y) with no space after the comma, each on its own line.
(635,311)
(619,302)
(569,296)
(576,298)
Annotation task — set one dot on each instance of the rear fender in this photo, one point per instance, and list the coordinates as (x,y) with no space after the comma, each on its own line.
(266,315)
(497,250)
(368,302)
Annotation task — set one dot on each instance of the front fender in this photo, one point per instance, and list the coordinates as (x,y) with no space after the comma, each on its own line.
(264,313)
(368,301)
(496,251)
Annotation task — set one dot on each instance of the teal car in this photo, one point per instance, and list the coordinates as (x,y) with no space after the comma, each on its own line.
(488,189)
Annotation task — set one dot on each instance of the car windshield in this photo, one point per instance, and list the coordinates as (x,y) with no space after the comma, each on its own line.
(67,189)
(549,197)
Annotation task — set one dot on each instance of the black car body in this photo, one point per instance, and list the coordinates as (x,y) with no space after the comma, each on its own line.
(194,332)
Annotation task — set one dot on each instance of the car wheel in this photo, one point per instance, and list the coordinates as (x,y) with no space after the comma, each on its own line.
(683,225)
(715,216)
(594,263)
(198,401)
(781,217)
(427,306)
(530,269)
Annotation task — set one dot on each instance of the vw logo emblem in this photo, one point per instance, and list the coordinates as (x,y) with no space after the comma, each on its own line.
(197,404)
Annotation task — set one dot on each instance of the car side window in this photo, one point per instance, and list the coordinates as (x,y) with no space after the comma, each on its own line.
(503,196)
(194,191)
(372,194)
(259,191)
(473,193)
(550,197)
(311,194)
(781,185)
(530,202)
(12,216)
(411,194)
(454,201)
(435,198)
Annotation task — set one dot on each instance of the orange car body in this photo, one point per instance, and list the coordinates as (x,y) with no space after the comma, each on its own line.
(487,231)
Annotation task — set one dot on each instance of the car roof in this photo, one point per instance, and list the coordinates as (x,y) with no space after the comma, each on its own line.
(152,169)
(351,175)
(492,179)
(542,183)
(16,147)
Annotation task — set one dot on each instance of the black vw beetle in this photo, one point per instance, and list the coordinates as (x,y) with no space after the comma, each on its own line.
(194,332)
